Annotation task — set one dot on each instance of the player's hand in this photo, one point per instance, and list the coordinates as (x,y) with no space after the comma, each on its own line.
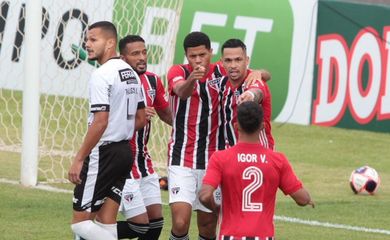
(198,73)
(74,171)
(150,112)
(245,97)
(256,75)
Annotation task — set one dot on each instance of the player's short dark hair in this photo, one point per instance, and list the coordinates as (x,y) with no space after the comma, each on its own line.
(233,43)
(250,116)
(106,26)
(129,39)
(195,39)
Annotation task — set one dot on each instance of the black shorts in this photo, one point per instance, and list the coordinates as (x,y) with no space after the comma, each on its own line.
(103,175)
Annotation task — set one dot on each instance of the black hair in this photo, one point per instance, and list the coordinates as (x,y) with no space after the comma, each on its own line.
(129,39)
(250,116)
(233,43)
(195,39)
(106,26)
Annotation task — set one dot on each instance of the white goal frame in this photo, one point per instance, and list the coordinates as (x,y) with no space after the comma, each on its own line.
(31,95)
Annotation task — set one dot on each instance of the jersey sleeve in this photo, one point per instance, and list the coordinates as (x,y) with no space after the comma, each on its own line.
(175,75)
(289,182)
(213,174)
(160,101)
(99,91)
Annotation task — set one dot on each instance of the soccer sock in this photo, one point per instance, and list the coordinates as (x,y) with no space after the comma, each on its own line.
(205,238)
(174,237)
(131,230)
(89,230)
(111,228)
(154,231)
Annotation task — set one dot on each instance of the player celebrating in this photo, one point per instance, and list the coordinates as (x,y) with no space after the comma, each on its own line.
(194,99)
(250,182)
(234,90)
(100,167)
(143,188)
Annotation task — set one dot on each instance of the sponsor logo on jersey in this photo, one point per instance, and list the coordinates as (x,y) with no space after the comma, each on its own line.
(175,190)
(128,75)
(100,108)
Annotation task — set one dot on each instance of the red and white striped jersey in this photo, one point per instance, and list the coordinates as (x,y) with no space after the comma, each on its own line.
(196,121)
(229,99)
(154,93)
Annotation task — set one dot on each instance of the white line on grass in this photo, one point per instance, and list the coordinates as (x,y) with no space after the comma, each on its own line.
(331,225)
(277,218)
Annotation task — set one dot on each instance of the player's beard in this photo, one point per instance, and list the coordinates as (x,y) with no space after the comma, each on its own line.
(142,70)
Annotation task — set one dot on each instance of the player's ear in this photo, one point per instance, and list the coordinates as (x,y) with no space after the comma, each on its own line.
(111,43)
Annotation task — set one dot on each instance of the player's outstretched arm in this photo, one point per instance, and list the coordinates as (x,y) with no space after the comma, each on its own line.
(184,89)
(302,198)
(206,197)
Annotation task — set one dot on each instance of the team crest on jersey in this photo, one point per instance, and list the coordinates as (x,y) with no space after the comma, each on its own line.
(151,93)
(236,94)
(129,197)
(214,83)
(128,75)
(175,190)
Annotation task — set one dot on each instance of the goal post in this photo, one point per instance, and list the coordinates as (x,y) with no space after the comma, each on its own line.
(30,118)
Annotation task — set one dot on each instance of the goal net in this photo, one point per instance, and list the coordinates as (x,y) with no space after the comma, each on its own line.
(65,71)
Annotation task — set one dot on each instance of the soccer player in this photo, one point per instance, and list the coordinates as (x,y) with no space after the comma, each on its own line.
(234,90)
(194,101)
(143,189)
(249,176)
(102,164)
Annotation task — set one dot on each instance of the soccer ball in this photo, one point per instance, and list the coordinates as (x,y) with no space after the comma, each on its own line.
(364,180)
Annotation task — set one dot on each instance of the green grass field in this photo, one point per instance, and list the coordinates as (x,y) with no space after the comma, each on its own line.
(322,157)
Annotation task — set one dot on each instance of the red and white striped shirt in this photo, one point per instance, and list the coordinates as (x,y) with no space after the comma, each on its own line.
(229,99)
(154,95)
(196,120)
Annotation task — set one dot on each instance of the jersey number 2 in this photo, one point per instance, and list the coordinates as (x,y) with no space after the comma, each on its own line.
(247,204)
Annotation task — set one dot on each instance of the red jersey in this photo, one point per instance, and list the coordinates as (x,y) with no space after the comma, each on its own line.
(154,95)
(196,120)
(249,185)
(230,96)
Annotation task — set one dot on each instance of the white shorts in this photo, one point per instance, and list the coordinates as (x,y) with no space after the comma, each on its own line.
(184,185)
(137,194)
(150,189)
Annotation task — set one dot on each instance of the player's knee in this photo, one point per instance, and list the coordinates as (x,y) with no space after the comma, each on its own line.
(180,226)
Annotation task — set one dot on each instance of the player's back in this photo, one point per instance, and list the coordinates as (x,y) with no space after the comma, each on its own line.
(250,178)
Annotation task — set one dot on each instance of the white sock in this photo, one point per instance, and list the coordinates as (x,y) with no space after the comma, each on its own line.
(110,228)
(91,231)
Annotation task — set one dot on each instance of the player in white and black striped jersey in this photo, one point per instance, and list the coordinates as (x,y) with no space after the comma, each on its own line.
(100,167)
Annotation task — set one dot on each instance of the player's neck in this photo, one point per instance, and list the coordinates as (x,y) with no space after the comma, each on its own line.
(236,83)
(107,56)
(249,138)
